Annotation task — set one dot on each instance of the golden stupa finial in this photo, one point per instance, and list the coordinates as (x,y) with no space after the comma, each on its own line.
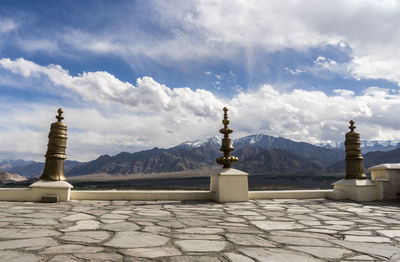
(60,117)
(55,156)
(354,158)
(227,160)
(352,126)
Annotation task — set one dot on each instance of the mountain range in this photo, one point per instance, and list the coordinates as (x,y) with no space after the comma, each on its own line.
(258,154)
(369,145)
(7,177)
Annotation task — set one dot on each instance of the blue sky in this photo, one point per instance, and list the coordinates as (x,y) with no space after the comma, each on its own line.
(133,75)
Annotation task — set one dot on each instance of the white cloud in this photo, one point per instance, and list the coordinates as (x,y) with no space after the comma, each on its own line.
(323,67)
(33,45)
(7,25)
(126,117)
(296,71)
(201,30)
(102,87)
(373,67)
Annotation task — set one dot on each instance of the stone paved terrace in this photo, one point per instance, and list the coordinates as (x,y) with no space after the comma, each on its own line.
(259,230)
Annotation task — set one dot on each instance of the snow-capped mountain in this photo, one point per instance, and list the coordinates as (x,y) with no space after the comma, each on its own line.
(368,145)
(211,141)
(258,140)
(265,142)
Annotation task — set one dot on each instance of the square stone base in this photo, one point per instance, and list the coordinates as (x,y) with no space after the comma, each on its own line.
(386,177)
(58,189)
(356,189)
(230,185)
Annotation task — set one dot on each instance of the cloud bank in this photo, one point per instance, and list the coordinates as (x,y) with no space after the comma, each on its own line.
(200,30)
(107,115)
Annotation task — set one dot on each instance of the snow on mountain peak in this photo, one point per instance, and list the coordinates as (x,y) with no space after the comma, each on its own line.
(201,142)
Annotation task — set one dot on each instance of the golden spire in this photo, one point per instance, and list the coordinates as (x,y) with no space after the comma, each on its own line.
(354,158)
(227,160)
(60,117)
(55,156)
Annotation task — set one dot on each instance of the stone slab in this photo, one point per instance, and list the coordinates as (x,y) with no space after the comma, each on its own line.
(134,239)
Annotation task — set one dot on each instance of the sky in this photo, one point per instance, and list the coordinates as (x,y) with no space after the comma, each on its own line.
(133,75)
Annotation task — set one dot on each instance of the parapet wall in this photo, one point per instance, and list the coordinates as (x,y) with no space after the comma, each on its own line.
(27,194)
(229,186)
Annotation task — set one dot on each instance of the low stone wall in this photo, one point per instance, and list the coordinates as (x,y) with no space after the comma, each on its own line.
(299,194)
(141,195)
(17,194)
(27,194)
(229,186)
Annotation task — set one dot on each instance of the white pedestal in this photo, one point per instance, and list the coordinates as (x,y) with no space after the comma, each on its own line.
(356,189)
(60,189)
(386,177)
(230,185)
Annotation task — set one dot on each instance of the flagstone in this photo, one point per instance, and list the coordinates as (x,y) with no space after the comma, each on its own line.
(200,230)
(384,250)
(86,236)
(389,233)
(275,225)
(234,219)
(83,225)
(249,229)
(300,241)
(357,232)
(233,257)
(194,222)
(301,234)
(172,224)
(321,231)
(367,239)
(114,216)
(122,212)
(243,213)
(133,239)
(121,226)
(339,222)
(28,243)
(361,258)
(323,252)
(73,249)
(96,212)
(36,222)
(249,240)
(192,259)
(276,255)
(152,252)
(197,236)
(201,245)
(66,258)
(309,222)
(16,256)
(32,232)
(156,229)
(78,216)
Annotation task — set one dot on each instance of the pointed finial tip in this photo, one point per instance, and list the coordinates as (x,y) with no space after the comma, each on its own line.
(225,109)
(352,127)
(60,112)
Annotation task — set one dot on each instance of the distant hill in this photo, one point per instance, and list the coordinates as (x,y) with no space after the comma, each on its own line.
(267,155)
(370,159)
(326,156)
(369,145)
(258,154)
(279,161)
(6,177)
(30,169)
(155,160)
